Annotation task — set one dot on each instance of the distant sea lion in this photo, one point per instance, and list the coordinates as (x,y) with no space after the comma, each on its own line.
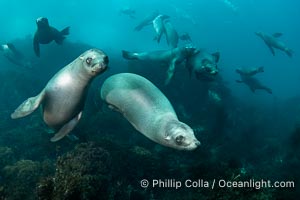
(15,56)
(170,57)
(203,65)
(146,21)
(46,34)
(248,79)
(249,72)
(148,110)
(128,11)
(273,42)
(63,97)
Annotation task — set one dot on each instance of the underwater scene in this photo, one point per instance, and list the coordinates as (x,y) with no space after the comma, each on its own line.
(149,100)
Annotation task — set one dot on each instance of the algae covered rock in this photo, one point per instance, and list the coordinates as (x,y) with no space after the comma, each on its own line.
(83,173)
(20,179)
(6,156)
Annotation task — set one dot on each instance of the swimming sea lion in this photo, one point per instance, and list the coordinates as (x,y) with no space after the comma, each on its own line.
(171,34)
(170,57)
(46,34)
(273,42)
(248,79)
(203,64)
(14,55)
(249,72)
(158,25)
(63,97)
(148,110)
(128,11)
(146,21)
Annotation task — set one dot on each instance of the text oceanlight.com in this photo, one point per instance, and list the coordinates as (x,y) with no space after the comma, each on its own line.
(200,183)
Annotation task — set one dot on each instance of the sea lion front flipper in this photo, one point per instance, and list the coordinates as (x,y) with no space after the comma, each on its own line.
(36,45)
(67,128)
(271,49)
(170,72)
(28,106)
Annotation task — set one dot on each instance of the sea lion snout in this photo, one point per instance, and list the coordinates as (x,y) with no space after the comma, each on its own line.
(42,22)
(101,64)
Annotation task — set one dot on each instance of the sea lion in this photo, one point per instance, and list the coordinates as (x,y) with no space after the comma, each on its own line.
(248,79)
(46,34)
(171,57)
(148,110)
(250,72)
(203,65)
(63,97)
(158,25)
(15,56)
(272,42)
(171,34)
(128,11)
(146,21)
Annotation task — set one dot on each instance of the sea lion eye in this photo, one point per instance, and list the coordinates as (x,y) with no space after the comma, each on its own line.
(179,139)
(89,60)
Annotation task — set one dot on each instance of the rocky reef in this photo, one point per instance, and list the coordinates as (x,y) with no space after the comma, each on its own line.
(83,173)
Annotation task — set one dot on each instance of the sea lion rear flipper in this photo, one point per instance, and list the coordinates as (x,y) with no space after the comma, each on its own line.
(36,45)
(28,106)
(260,69)
(216,55)
(66,129)
(170,72)
(60,35)
(277,35)
(289,52)
(65,31)
(271,49)
(269,90)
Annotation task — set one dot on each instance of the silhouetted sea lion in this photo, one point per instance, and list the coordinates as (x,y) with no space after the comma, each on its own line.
(273,42)
(148,110)
(63,97)
(248,79)
(46,34)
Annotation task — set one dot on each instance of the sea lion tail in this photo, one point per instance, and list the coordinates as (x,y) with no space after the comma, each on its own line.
(65,31)
(128,55)
(289,52)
